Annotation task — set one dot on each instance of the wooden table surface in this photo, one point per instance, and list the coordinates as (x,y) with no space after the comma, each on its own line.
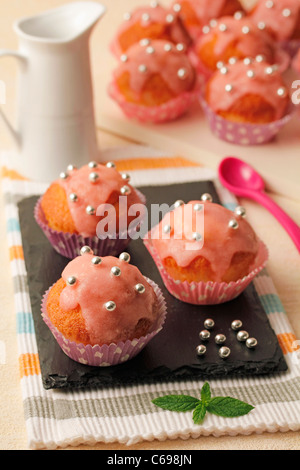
(282,255)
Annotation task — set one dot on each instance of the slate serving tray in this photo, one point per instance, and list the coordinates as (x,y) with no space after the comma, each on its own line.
(171,354)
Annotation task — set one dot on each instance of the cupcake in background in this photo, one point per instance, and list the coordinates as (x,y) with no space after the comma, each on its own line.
(67,211)
(247,102)
(103,311)
(154,81)
(205,253)
(239,37)
(197,14)
(151,22)
(281,18)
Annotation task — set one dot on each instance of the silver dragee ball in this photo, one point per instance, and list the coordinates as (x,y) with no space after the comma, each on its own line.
(201,349)
(204,335)
(209,323)
(220,338)
(224,352)
(242,335)
(251,343)
(236,324)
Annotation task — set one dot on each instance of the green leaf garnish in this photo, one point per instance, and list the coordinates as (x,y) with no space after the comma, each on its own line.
(221,406)
(228,407)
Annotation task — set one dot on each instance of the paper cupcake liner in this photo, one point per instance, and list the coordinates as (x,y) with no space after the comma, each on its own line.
(207,293)
(243,133)
(107,354)
(70,244)
(166,112)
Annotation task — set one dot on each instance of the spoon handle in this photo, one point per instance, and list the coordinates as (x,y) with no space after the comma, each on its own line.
(290,226)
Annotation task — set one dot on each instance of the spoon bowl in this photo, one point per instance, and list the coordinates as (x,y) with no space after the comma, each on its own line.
(243,181)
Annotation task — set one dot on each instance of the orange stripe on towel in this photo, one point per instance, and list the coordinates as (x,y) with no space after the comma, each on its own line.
(16,252)
(288,342)
(29,364)
(145,163)
(12,174)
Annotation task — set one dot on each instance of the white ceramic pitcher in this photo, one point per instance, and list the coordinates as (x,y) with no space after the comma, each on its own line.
(55,112)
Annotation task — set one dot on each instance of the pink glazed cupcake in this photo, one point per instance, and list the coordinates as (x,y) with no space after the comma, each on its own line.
(103,311)
(206,254)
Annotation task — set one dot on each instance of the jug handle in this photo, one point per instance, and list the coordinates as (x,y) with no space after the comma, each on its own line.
(14,134)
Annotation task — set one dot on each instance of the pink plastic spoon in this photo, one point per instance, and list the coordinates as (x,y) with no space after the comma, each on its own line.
(243,181)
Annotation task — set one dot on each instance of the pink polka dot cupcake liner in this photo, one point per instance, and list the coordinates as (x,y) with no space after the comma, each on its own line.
(208,293)
(166,112)
(243,133)
(70,244)
(107,354)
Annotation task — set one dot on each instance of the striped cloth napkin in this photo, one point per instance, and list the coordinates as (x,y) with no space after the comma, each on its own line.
(60,418)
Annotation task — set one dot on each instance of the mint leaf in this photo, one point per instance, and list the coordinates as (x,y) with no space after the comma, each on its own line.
(205,393)
(228,407)
(199,413)
(176,402)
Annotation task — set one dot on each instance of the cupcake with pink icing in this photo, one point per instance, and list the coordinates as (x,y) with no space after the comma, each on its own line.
(154,81)
(197,14)
(205,253)
(90,206)
(103,311)
(281,18)
(151,22)
(247,102)
(235,37)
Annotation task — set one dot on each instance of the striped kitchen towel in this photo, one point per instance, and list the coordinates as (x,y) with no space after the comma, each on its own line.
(60,418)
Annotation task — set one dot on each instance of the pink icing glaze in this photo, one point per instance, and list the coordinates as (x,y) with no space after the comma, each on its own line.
(256,42)
(96,285)
(219,241)
(282,27)
(110,181)
(158,15)
(162,62)
(206,10)
(262,84)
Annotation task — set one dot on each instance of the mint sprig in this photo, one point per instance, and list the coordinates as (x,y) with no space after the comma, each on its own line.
(221,406)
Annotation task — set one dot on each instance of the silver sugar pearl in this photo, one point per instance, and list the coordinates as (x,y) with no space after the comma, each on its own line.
(110,305)
(236,324)
(145,42)
(282,92)
(251,343)
(197,236)
(93,177)
(170,18)
(177,7)
(240,211)
(140,288)
(127,16)
(150,50)
(209,323)
(142,68)
(71,168)
(197,207)
(248,60)
(206,197)
(261,25)
(233,224)
(220,338)
(96,260)
(124,58)
(73,197)
(245,30)
(224,70)
(269,70)
(205,29)
(178,203)
(125,190)
(213,23)
(145,17)
(90,210)
(222,27)
(260,58)
(224,352)
(168,47)
(125,176)
(116,271)
(124,257)
(220,64)
(242,335)
(232,60)
(71,281)
(63,175)
(286,12)
(250,73)
(93,165)
(238,15)
(204,335)
(110,165)
(182,73)
(167,228)
(154,4)
(180,47)
(228,87)
(200,349)
(269,4)
(86,250)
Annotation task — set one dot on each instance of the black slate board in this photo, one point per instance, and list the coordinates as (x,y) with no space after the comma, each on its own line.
(171,354)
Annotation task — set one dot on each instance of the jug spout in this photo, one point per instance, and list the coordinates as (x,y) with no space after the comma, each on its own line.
(62,24)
